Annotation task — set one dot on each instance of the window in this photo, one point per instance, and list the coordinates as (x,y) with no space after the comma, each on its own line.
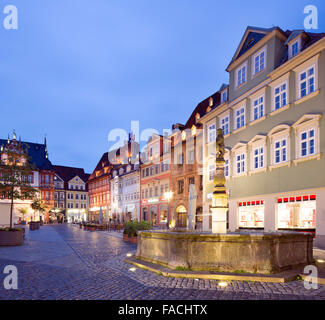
(211,133)
(297,212)
(307,143)
(307,82)
(280,96)
(239,118)
(212,170)
(240,163)
(224,96)
(280,150)
(191,157)
(225,125)
(294,49)
(251,214)
(259,108)
(258,158)
(227,168)
(241,75)
(181,159)
(259,62)
(180,186)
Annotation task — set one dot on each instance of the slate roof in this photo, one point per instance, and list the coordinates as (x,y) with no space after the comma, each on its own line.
(201,109)
(36,152)
(68,173)
(255,34)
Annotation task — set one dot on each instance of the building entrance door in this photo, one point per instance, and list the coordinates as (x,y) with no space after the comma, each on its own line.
(181,217)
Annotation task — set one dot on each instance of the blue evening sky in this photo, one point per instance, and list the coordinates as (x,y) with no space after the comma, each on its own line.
(76,69)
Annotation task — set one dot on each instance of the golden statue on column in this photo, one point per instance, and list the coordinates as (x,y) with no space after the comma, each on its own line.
(220,198)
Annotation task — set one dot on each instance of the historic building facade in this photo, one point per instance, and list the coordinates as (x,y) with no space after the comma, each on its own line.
(71,193)
(186,166)
(41,178)
(155,181)
(125,192)
(106,183)
(273,126)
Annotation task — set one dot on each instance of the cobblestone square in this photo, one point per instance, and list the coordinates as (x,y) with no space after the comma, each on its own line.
(63,262)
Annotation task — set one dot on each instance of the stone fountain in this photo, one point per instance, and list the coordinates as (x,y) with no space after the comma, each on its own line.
(219,250)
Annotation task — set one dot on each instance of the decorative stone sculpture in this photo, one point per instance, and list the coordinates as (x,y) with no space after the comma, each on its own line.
(220,198)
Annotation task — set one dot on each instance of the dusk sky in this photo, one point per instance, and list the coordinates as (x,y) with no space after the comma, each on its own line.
(76,69)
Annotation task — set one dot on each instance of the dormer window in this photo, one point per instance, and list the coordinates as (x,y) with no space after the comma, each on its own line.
(210,102)
(294,49)
(197,117)
(224,96)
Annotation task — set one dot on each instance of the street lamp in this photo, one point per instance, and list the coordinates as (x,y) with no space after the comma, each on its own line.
(168,195)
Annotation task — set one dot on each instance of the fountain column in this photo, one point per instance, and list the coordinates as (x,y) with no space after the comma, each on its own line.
(220,198)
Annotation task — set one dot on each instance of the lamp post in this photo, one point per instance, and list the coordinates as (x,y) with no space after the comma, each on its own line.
(168,195)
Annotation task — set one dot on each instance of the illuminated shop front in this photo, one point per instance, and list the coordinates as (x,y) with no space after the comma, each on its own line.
(251,214)
(74,215)
(297,212)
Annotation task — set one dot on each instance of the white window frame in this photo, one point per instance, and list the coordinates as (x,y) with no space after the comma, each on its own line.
(239,149)
(227,165)
(307,123)
(241,114)
(258,55)
(294,45)
(307,141)
(211,171)
(278,83)
(240,163)
(280,94)
(306,80)
(240,69)
(222,95)
(279,133)
(297,41)
(281,149)
(259,104)
(257,143)
(311,63)
(211,136)
(226,124)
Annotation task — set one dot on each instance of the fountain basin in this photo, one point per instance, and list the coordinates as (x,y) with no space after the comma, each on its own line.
(264,253)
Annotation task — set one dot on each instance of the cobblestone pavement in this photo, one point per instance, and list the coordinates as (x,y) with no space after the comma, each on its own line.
(64,262)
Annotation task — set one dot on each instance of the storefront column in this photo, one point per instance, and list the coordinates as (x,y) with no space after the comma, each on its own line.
(233,216)
(320,219)
(270,215)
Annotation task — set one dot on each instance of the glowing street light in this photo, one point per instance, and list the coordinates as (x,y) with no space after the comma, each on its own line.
(168,195)
(222,284)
